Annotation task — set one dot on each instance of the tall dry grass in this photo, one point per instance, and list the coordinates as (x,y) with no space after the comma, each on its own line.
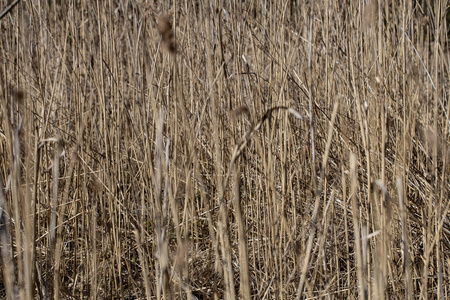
(238,150)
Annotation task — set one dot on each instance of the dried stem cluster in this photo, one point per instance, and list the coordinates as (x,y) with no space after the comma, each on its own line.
(224,149)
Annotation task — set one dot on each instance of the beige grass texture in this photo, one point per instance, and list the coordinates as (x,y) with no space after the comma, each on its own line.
(224,149)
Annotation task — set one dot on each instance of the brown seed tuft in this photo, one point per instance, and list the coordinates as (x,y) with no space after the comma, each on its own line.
(243,109)
(74,153)
(431,141)
(167,35)
(370,13)
(95,184)
(18,96)
(180,258)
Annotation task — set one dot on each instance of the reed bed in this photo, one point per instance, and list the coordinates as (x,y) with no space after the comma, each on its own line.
(224,150)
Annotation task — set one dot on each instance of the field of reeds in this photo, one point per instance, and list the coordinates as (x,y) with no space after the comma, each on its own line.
(224,149)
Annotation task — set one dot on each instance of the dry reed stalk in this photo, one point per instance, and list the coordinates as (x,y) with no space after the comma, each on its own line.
(59,234)
(236,154)
(405,242)
(30,145)
(322,237)
(93,274)
(16,178)
(313,225)
(54,206)
(6,247)
(24,145)
(168,292)
(383,248)
(440,10)
(9,8)
(16,125)
(143,261)
(222,222)
(161,215)
(244,290)
(100,87)
(362,287)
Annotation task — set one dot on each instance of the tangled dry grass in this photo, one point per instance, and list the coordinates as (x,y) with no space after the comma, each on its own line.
(208,150)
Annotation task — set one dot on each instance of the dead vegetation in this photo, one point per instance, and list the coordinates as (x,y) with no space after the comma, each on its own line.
(251,150)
